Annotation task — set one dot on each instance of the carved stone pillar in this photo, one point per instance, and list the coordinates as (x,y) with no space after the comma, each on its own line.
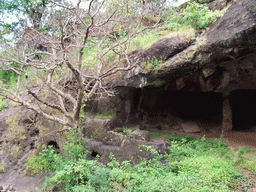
(227,116)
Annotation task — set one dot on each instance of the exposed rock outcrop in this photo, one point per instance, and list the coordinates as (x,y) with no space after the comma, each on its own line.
(124,147)
(221,60)
(229,38)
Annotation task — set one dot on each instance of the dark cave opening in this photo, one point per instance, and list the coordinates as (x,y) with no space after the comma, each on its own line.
(54,144)
(94,154)
(243,109)
(202,106)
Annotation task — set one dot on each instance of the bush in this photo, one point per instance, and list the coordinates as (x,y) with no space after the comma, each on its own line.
(46,161)
(193,15)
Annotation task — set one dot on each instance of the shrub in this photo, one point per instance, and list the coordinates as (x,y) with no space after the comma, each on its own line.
(193,15)
(46,161)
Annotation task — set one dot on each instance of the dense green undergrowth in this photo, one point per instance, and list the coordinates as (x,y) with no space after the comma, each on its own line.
(191,165)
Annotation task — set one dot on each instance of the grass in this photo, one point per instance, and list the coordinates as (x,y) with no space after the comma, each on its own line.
(144,40)
(246,158)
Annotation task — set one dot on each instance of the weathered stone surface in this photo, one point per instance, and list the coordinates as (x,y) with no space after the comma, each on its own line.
(130,149)
(235,29)
(140,135)
(217,4)
(209,85)
(180,83)
(114,138)
(169,46)
(227,116)
(202,84)
(190,127)
(230,37)
(224,81)
(96,126)
(208,70)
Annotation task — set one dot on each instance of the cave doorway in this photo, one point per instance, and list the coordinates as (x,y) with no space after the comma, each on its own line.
(202,107)
(243,110)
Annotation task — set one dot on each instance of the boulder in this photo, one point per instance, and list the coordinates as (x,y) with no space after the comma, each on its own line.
(96,127)
(190,127)
(113,138)
(129,149)
(140,135)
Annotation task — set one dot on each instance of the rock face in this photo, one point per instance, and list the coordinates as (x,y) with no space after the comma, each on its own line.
(220,62)
(229,38)
(126,148)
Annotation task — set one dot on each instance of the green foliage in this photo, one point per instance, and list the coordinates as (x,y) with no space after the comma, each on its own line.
(246,158)
(82,117)
(159,82)
(192,165)
(3,104)
(152,64)
(127,131)
(144,40)
(109,113)
(9,76)
(193,15)
(46,161)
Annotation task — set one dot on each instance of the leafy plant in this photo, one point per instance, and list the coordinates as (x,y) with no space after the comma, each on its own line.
(46,161)
(3,104)
(193,15)
(127,131)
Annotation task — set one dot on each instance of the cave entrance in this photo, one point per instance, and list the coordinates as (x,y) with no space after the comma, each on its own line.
(244,110)
(202,107)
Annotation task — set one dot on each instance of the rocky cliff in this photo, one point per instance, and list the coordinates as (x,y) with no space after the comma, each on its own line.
(220,60)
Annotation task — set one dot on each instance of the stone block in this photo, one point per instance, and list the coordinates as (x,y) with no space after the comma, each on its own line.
(190,127)
(140,135)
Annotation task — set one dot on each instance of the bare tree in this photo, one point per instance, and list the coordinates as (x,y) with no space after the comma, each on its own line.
(69,62)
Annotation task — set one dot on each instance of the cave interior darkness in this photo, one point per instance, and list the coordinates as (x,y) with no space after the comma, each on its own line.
(243,104)
(203,106)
